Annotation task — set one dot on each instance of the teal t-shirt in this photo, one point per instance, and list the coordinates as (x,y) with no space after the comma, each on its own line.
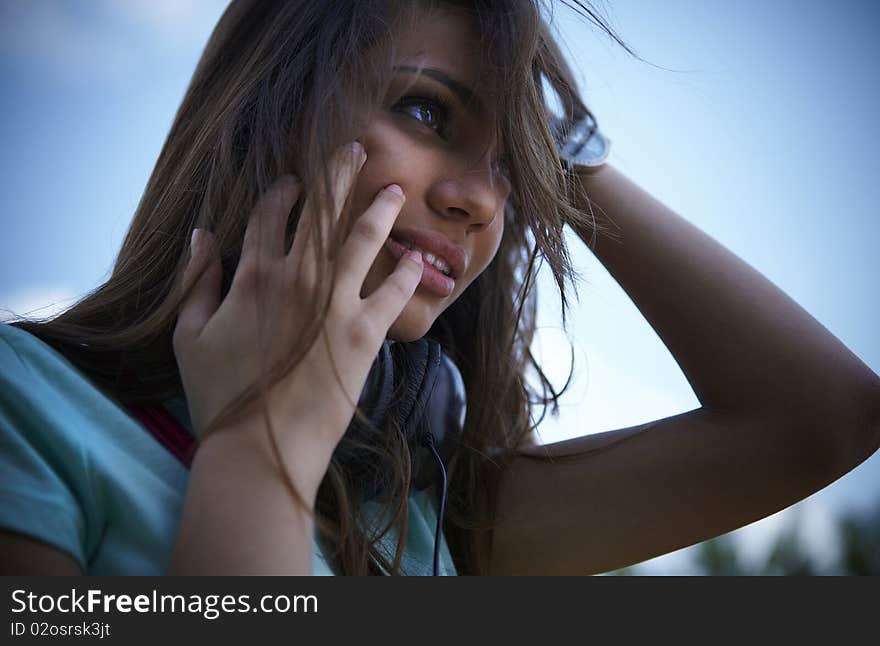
(79,473)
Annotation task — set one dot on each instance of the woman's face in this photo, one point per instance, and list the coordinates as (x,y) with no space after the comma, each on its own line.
(431,137)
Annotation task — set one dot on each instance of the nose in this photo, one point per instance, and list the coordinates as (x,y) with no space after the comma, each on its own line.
(475,196)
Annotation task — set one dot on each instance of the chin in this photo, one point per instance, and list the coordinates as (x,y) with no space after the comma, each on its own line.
(414,321)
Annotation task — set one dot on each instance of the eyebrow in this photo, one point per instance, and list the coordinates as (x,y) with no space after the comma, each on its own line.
(464,94)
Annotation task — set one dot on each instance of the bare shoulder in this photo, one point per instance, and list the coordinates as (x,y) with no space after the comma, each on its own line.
(21,555)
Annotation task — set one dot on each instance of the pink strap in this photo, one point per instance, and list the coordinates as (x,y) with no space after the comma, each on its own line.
(167,430)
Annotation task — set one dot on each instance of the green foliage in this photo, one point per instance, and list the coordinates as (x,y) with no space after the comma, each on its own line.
(859,553)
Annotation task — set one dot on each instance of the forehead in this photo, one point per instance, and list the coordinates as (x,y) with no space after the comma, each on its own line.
(445,38)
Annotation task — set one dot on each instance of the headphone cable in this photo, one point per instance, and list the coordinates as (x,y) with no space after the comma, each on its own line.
(429,442)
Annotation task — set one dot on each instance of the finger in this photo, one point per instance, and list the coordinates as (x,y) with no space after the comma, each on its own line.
(204,273)
(387,302)
(368,234)
(267,222)
(305,252)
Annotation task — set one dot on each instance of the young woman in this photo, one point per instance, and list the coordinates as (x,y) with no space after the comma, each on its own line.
(332,264)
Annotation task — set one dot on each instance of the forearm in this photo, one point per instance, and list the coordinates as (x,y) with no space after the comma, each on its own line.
(742,343)
(239,516)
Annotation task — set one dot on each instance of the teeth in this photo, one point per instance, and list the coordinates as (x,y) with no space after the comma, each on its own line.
(438,263)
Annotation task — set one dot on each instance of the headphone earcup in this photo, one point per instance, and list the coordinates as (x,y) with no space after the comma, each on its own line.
(443,417)
(417,385)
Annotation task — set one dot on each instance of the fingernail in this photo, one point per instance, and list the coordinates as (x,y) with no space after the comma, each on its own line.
(394,188)
(194,242)
(360,154)
(415,256)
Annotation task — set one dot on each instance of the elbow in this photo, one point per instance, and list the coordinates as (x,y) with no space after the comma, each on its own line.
(859,437)
(843,437)
(873,439)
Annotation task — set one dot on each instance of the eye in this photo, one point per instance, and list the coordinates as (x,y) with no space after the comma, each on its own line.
(429,111)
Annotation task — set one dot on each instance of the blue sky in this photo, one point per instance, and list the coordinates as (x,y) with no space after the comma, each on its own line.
(761,130)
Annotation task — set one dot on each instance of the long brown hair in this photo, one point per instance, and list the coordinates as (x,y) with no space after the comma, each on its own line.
(279,87)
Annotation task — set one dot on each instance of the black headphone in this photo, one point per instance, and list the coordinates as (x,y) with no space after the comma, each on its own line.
(418,385)
(421,388)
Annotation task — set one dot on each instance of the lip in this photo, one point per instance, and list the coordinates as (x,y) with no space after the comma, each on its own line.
(437,244)
(432,280)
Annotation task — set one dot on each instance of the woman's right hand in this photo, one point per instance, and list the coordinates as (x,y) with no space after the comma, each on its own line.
(216,343)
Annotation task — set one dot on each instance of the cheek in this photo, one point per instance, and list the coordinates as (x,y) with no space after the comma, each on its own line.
(483,251)
(391,158)
(489,244)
